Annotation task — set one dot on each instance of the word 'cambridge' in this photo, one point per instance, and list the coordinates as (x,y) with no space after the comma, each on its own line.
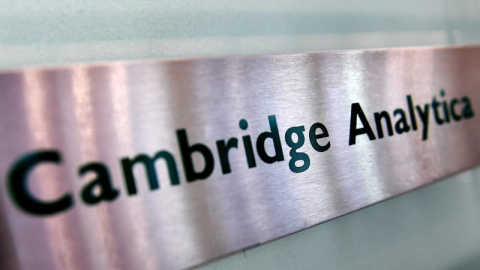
(267,148)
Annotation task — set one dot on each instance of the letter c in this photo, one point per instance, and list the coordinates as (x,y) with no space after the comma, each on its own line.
(18,180)
(455,116)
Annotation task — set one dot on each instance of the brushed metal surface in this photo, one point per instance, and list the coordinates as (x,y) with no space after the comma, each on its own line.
(106,112)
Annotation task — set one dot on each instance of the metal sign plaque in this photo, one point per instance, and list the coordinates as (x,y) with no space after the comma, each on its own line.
(170,164)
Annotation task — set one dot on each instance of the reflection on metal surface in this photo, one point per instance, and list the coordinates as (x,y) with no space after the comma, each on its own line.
(248,149)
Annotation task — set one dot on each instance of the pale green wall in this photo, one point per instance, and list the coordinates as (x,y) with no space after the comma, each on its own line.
(51,32)
(436,227)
